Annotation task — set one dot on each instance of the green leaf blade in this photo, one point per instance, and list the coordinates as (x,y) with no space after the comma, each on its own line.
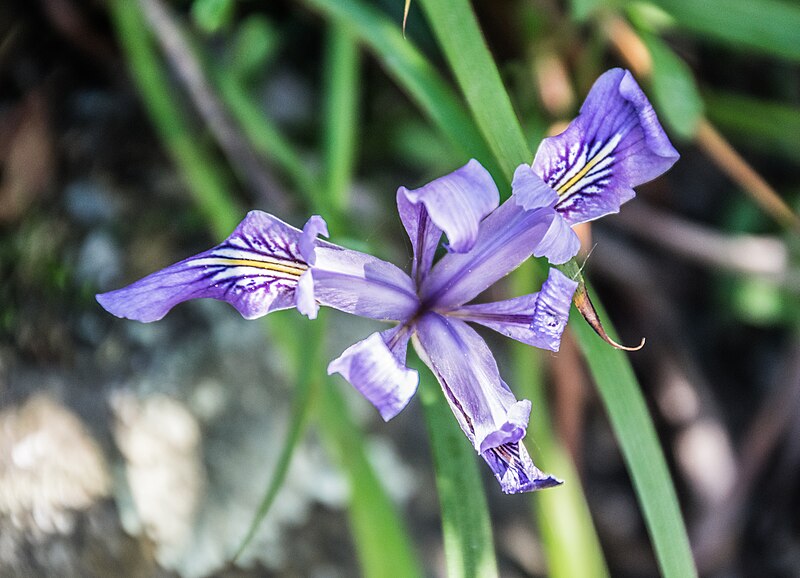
(466,526)
(634,429)
(379,534)
(768,26)
(675,92)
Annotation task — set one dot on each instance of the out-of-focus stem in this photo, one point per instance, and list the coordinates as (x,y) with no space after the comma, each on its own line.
(207,182)
(181,56)
(341,109)
(732,164)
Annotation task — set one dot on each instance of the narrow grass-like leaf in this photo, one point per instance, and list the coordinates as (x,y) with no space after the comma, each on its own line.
(466,526)
(341,104)
(309,375)
(637,437)
(379,534)
(674,90)
(200,169)
(565,524)
(463,44)
(767,127)
(261,132)
(413,73)
(768,26)
(456,29)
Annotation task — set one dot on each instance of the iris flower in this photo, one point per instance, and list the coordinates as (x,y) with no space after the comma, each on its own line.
(265,265)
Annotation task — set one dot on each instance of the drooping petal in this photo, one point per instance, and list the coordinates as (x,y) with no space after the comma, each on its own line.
(484,406)
(507,237)
(615,144)
(361,284)
(307,243)
(377,368)
(256,269)
(514,469)
(492,419)
(455,204)
(537,319)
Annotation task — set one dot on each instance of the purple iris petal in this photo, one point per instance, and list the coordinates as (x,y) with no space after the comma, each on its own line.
(513,468)
(490,416)
(305,300)
(256,270)
(361,284)
(485,408)
(560,243)
(507,237)
(457,202)
(422,232)
(530,191)
(376,367)
(616,143)
(314,227)
(537,319)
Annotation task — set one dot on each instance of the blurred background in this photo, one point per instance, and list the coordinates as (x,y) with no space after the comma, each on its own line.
(134,133)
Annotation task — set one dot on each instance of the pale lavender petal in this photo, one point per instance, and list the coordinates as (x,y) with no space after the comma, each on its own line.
(422,232)
(537,319)
(560,243)
(513,468)
(376,368)
(507,237)
(512,430)
(615,144)
(256,270)
(484,406)
(306,302)
(361,284)
(314,227)
(530,191)
(456,203)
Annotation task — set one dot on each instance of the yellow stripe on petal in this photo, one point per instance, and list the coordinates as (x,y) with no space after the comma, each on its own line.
(571,185)
(274,265)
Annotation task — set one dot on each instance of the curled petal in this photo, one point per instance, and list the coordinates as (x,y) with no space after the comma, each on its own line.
(376,367)
(455,203)
(511,430)
(530,191)
(615,144)
(513,468)
(422,232)
(314,227)
(361,284)
(256,269)
(537,319)
(483,404)
(560,243)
